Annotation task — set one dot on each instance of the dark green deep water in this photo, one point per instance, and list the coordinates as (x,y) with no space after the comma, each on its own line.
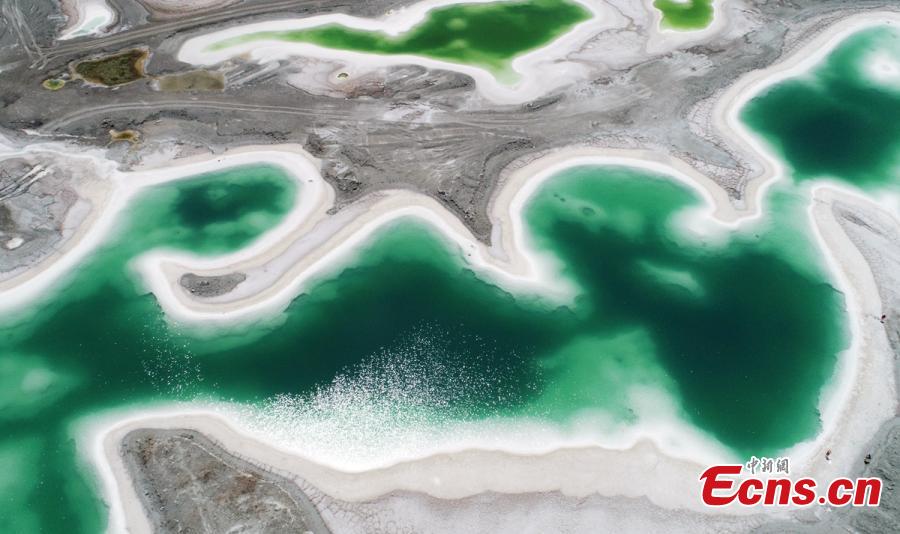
(741,335)
(837,121)
(489,35)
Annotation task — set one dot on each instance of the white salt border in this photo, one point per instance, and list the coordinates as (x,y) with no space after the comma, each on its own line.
(861,396)
(538,71)
(92,17)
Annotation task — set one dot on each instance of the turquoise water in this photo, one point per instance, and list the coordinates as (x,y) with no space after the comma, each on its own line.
(657,309)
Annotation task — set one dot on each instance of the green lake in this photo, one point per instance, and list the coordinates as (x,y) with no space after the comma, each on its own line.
(488,35)
(685,14)
(740,334)
(656,309)
(838,121)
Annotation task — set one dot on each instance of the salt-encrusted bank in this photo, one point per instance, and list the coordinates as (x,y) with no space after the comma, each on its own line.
(540,71)
(858,400)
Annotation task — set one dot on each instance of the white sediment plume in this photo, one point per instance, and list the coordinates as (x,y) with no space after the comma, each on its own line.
(883,69)
(361,438)
(659,459)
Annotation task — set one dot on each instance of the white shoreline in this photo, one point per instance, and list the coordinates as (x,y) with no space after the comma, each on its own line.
(86,12)
(538,73)
(463,466)
(282,263)
(661,38)
(860,399)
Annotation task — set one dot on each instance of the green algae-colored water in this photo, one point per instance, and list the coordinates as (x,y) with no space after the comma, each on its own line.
(489,35)
(840,120)
(685,14)
(744,361)
(96,342)
(738,335)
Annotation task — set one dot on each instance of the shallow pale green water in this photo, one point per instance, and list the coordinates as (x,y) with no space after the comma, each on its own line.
(685,14)
(489,35)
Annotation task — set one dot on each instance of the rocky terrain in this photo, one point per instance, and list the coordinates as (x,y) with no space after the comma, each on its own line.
(41,207)
(403,126)
(189,484)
